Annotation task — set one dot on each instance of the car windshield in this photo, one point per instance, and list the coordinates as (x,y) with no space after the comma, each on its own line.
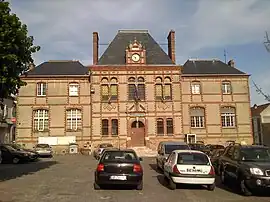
(198,146)
(15,146)
(255,154)
(170,148)
(106,145)
(192,159)
(10,148)
(119,156)
(42,146)
(217,147)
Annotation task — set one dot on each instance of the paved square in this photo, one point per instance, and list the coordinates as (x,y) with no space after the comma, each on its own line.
(70,178)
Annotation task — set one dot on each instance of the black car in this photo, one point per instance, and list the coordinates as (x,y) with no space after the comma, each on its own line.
(247,166)
(214,156)
(11,155)
(32,154)
(119,167)
(199,147)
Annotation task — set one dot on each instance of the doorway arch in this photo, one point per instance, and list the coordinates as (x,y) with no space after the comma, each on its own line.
(137,134)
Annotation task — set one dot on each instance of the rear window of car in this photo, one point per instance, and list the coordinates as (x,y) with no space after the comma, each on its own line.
(116,156)
(170,148)
(192,159)
(43,146)
(105,145)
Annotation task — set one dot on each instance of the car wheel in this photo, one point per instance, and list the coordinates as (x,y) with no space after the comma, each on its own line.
(211,187)
(243,188)
(172,185)
(15,160)
(223,177)
(96,186)
(140,186)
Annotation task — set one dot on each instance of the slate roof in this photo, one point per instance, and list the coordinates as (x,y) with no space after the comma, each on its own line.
(59,68)
(209,67)
(115,53)
(256,110)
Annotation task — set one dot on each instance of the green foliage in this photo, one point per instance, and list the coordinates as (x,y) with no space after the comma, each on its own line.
(16,50)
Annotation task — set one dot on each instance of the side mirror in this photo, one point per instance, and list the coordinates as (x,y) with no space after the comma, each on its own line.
(140,159)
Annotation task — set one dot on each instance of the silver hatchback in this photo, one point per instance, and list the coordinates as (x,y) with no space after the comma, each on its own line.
(44,150)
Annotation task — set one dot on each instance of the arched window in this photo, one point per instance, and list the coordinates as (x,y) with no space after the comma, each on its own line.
(136,89)
(197,119)
(228,117)
(41,120)
(163,89)
(109,90)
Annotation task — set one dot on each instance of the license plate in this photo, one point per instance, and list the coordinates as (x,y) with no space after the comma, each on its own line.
(118,178)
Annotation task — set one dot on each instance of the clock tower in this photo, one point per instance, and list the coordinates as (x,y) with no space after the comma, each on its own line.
(135,53)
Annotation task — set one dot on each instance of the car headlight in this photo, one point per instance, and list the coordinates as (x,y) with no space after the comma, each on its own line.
(256,171)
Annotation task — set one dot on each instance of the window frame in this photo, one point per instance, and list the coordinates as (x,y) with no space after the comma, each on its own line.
(77,118)
(163,83)
(197,121)
(41,89)
(73,86)
(194,90)
(105,128)
(225,86)
(115,127)
(109,84)
(136,88)
(228,119)
(43,119)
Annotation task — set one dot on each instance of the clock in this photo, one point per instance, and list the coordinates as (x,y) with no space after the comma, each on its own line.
(135,57)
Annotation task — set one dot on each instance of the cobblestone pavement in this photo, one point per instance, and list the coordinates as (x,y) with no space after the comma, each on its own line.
(70,178)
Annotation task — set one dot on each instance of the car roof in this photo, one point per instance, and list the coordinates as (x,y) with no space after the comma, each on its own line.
(173,143)
(251,146)
(123,150)
(188,151)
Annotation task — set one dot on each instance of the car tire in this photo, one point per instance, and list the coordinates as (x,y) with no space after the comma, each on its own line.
(243,188)
(172,185)
(140,186)
(15,160)
(96,186)
(223,177)
(211,187)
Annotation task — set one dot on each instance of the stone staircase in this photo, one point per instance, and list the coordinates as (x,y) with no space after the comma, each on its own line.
(144,151)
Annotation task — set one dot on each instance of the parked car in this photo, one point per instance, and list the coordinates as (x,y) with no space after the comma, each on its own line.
(247,166)
(0,157)
(199,147)
(189,167)
(44,150)
(213,147)
(165,148)
(32,154)
(119,167)
(100,148)
(214,156)
(11,155)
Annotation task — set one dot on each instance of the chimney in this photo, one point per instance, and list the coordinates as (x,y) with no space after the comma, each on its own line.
(231,63)
(95,48)
(171,45)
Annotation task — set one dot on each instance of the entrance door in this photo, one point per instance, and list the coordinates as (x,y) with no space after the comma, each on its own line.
(137,134)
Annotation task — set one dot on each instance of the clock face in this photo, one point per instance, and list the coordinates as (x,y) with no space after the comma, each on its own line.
(135,57)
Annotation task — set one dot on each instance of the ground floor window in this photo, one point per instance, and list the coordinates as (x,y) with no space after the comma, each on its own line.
(164,126)
(109,127)
(41,120)
(74,119)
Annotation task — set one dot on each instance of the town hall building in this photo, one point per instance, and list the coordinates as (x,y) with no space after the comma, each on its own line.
(135,95)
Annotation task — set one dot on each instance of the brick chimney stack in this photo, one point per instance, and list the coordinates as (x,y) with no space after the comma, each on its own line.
(95,48)
(171,45)
(231,63)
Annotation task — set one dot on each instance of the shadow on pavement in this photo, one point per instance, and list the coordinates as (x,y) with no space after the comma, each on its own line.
(154,167)
(9,171)
(117,187)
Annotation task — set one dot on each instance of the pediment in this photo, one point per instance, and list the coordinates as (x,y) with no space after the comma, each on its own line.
(136,108)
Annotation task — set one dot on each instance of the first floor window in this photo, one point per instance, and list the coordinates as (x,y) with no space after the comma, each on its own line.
(41,89)
(228,117)
(105,92)
(41,120)
(226,88)
(74,119)
(197,117)
(196,88)
(73,89)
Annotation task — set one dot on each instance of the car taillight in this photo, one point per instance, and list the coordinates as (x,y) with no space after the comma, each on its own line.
(175,169)
(137,168)
(212,171)
(100,167)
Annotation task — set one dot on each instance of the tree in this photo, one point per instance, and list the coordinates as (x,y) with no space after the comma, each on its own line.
(16,49)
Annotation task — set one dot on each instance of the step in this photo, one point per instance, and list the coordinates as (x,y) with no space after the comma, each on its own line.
(144,151)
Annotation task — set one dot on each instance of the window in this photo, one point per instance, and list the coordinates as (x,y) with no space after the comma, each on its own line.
(41,120)
(192,159)
(114,127)
(136,89)
(105,127)
(74,119)
(73,89)
(163,90)
(228,117)
(196,88)
(169,123)
(41,89)
(226,88)
(197,117)
(160,127)
(109,90)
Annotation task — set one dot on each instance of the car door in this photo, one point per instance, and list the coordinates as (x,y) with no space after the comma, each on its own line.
(168,164)
(228,163)
(234,165)
(6,154)
(158,154)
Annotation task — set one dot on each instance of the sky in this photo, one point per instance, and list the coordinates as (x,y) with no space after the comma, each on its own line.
(204,29)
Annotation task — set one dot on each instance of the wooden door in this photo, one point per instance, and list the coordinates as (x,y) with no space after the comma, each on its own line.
(137,134)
